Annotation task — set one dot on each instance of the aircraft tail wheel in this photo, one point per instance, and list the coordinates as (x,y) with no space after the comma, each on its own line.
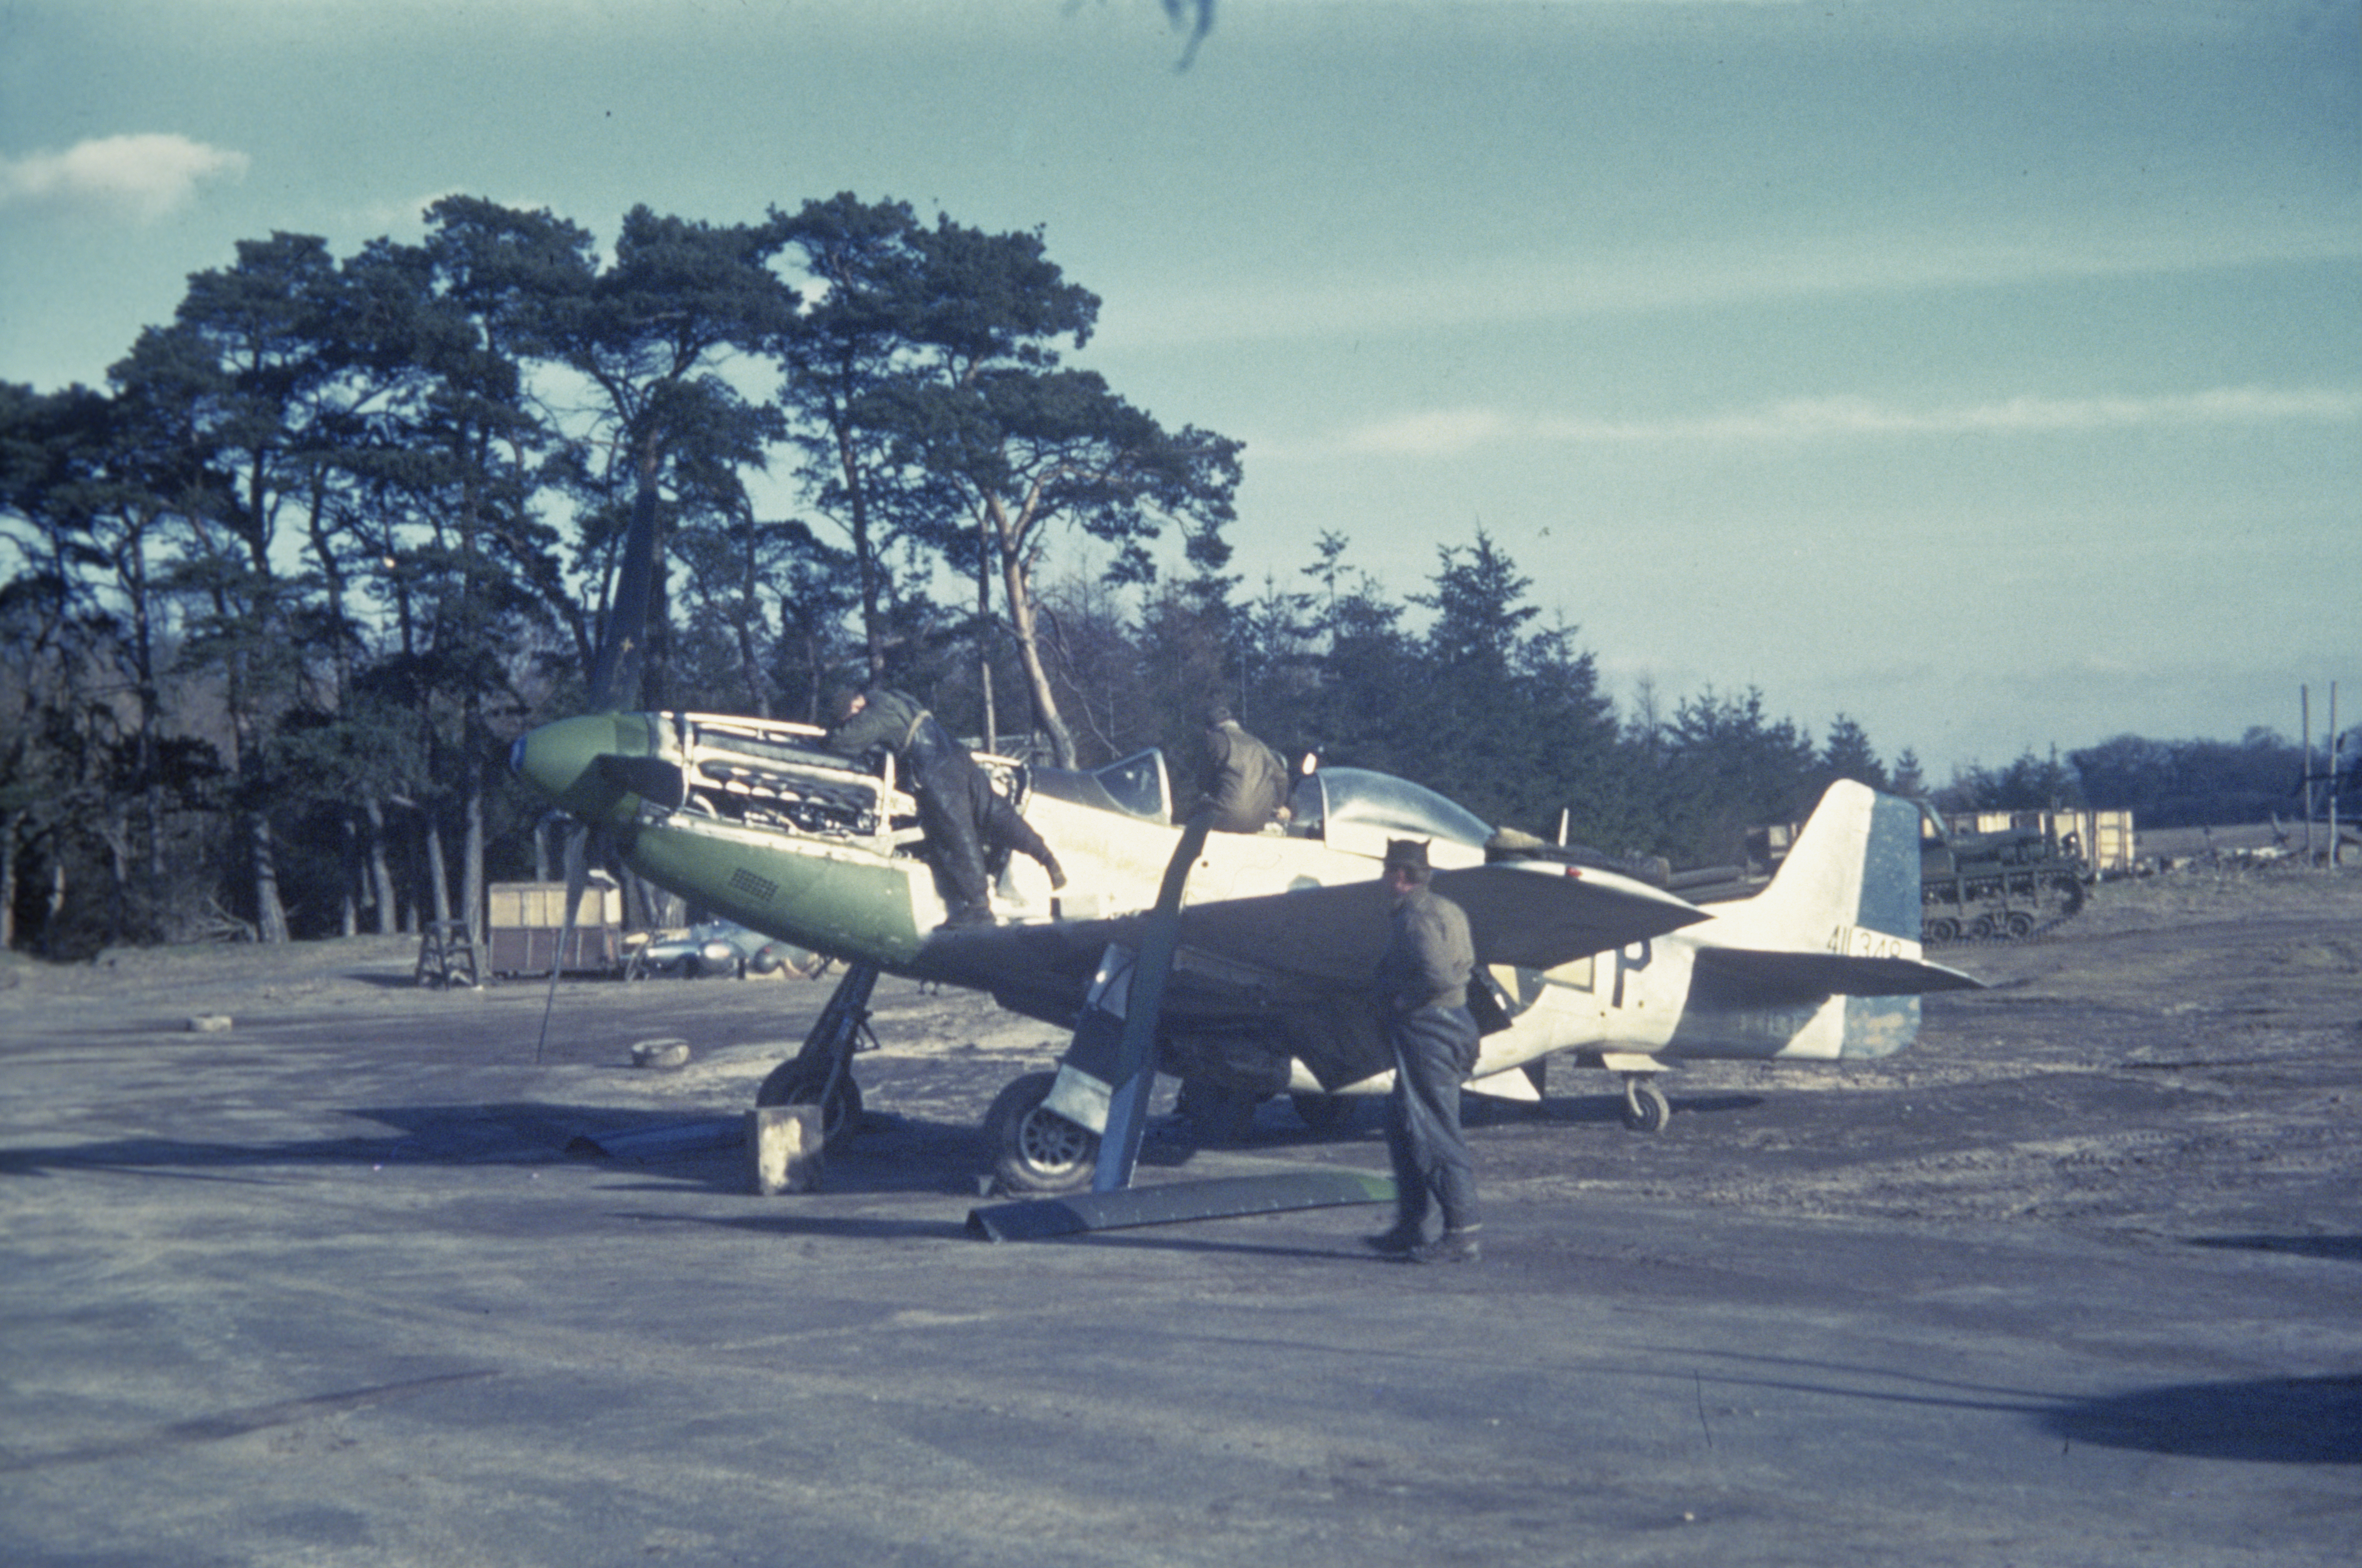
(1036,1150)
(797,1082)
(1646,1108)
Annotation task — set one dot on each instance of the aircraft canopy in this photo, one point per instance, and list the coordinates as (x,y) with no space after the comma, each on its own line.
(1357,811)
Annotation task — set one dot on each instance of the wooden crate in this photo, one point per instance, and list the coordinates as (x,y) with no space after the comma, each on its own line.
(526,920)
(544,904)
(528,949)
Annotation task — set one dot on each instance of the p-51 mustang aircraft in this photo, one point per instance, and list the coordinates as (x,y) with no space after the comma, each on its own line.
(1277,935)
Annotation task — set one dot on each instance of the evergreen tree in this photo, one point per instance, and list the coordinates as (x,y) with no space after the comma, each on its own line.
(1026,445)
(1847,754)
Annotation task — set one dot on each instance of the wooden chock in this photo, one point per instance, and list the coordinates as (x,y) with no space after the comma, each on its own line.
(783,1149)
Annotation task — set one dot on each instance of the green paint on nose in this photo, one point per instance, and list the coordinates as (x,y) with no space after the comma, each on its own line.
(559,762)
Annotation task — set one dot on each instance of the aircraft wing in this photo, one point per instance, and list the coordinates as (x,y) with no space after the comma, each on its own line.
(1321,939)
(1769,978)
(1531,918)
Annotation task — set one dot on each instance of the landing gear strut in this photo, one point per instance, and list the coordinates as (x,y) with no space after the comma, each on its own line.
(822,1073)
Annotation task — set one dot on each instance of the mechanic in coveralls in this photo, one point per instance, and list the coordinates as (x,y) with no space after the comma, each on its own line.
(1245,782)
(1422,984)
(956,802)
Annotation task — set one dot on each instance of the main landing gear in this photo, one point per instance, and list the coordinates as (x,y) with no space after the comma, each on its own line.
(1035,1151)
(822,1073)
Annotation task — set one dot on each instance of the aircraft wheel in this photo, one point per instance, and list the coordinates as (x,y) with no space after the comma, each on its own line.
(1034,1149)
(793,1082)
(1322,1112)
(1646,1108)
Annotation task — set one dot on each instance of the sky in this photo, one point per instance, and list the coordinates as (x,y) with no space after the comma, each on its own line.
(1989,373)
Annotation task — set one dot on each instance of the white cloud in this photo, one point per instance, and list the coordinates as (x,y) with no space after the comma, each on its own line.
(1441,433)
(1446,433)
(142,177)
(1510,288)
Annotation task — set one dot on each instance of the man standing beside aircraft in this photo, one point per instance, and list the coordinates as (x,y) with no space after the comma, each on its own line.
(1423,986)
(941,774)
(1245,782)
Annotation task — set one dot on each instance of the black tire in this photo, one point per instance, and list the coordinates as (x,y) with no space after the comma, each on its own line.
(1943,928)
(2020,922)
(1645,1108)
(1036,1150)
(792,1082)
(1323,1113)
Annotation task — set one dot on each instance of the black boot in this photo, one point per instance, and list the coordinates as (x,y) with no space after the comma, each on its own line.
(1452,1246)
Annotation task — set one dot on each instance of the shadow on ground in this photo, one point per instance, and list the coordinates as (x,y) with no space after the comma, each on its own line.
(2273,1420)
(2345,1249)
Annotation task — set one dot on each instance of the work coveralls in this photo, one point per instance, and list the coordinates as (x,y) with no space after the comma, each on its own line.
(941,776)
(1246,782)
(1003,829)
(1423,985)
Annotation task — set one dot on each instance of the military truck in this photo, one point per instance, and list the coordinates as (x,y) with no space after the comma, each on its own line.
(1983,877)
(1980,887)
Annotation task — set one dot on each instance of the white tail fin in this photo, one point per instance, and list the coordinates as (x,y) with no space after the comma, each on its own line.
(1841,920)
(1850,886)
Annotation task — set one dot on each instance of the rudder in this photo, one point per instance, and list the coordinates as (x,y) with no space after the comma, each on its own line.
(1855,867)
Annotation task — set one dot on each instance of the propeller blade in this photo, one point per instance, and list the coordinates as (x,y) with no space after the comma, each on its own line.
(623,640)
(578,874)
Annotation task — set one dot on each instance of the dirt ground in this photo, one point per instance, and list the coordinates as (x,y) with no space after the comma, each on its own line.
(2076,1279)
(2183,1057)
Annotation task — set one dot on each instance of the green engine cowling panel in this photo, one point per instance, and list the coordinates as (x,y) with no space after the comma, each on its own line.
(840,900)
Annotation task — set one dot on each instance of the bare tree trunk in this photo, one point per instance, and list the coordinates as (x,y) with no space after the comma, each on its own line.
(471,871)
(1028,653)
(984,629)
(865,564)
(8,826)
(115,831)
(353,886)
(389,908)
(270,915)
(750,615)
(57,904)
(437,882)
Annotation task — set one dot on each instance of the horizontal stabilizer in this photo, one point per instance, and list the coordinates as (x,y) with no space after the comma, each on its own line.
(1770,978)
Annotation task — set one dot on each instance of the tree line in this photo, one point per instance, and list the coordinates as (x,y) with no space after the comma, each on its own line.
(280,595)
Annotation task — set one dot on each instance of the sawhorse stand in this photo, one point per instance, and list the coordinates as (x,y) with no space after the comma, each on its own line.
(446,955)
